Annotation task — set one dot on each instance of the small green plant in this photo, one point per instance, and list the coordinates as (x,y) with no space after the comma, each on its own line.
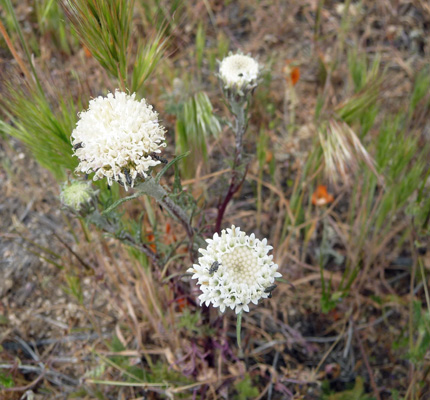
(6,381)
(190,322)
(416,347)
(74,287)
(244,388)
(356,393)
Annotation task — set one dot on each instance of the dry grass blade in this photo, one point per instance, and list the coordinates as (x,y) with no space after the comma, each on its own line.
(343,152)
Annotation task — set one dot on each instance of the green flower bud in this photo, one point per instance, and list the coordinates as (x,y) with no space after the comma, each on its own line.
(77,194)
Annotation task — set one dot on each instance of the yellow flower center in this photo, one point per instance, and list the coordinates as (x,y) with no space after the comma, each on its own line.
(242,265)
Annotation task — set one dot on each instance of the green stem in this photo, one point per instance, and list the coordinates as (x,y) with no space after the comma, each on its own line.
(238,331)
(426,290)
(240,128)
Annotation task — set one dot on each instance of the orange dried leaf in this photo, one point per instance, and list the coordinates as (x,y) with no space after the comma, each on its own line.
(169,236)
(295,75)
(87,52)
(321,197)
(182,303)
(151,239)
(292,73)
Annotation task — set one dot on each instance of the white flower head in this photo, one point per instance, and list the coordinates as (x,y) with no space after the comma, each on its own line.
(76,194)
(115,138)
(239,72)
(235,270)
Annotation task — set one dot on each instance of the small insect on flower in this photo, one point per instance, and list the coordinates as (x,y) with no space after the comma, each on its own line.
(158,158)
(214,267)
(77,146)
(270,289)
(127,176)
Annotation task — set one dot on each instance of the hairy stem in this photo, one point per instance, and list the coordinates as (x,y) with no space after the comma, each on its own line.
(236,181)
(240,128)
(152,188)
(155,190)
(177,212)
(105,225)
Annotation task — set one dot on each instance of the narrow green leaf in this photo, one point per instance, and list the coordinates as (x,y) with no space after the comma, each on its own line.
(167,166)
(123,200)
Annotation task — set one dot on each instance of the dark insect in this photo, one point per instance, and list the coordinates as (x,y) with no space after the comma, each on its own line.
(269,290)
(158,158)
(78,146)
(240,75)
(127,176)
(214,267)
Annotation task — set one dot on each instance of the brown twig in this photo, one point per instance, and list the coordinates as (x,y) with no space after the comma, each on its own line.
(79,258)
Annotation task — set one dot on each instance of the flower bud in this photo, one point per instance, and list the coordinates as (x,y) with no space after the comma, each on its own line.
(77,195)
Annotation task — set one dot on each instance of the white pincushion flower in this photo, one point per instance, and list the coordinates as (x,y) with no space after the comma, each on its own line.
(115,138)
(235,270)
(239,72)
